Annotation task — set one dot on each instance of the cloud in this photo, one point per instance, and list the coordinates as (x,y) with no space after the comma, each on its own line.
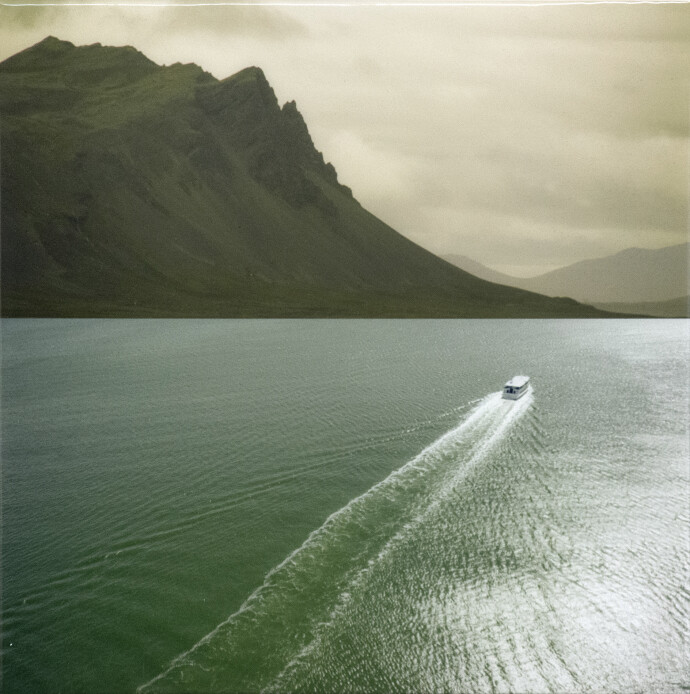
(21,18)
(389,175)
(258,22)
(565,135)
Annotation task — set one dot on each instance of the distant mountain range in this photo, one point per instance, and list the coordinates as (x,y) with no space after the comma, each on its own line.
(636,280)
(131,189)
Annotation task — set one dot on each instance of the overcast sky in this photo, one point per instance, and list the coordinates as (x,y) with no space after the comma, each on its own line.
(526,138)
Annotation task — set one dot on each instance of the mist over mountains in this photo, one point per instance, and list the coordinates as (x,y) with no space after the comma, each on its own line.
(635,280)
(134,189)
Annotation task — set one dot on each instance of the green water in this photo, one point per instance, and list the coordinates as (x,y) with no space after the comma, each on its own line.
(344,506)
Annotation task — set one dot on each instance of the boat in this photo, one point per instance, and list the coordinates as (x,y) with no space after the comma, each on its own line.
(515,388)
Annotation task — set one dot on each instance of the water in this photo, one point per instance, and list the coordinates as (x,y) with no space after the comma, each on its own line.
(330,506)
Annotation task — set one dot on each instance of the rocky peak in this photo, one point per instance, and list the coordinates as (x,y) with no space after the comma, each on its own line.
(300,147)
(80,66)
(251,86)
(242,102)
(51,43)
(35,56)
(296,134)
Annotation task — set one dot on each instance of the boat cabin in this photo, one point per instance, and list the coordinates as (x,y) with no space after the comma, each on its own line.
(516,387)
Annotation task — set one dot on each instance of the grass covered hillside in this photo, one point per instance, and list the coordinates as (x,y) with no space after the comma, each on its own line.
(131,189)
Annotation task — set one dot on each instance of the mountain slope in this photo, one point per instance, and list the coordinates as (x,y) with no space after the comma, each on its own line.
(671,308)
(134,189)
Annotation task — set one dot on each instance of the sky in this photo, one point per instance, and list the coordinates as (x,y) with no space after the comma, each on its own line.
(526,137)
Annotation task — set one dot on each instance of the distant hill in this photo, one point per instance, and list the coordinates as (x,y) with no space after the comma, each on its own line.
(633,276)
(131,189)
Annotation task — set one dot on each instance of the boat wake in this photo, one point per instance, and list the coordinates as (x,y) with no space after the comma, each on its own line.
(281,620)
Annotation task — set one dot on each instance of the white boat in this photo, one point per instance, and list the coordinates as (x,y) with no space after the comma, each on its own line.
(515,388)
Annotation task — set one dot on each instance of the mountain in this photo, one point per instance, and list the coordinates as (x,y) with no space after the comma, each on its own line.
(633,276)
(133,189)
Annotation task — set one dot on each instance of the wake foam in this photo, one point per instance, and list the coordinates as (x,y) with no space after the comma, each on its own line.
(255,645)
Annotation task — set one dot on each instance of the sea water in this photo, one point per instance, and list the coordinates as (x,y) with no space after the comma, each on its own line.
(344,506)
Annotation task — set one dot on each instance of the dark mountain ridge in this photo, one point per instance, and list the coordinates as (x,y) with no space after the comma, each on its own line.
(134,189)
